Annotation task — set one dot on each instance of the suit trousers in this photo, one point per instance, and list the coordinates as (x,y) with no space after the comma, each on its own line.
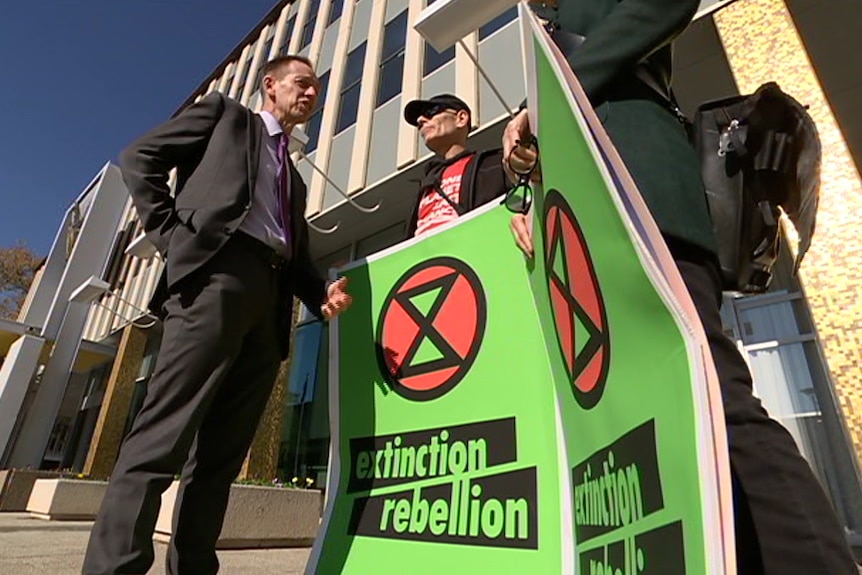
(785,523)
(215,370)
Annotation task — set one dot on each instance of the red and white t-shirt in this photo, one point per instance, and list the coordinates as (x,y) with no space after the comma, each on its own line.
(434,210)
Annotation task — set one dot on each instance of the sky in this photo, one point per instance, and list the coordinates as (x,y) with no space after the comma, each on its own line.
(80,79)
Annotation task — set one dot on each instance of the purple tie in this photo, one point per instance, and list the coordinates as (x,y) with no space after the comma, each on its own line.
(281,179)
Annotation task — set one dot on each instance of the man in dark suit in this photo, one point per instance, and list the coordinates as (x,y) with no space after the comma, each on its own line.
(236,247)
(784,521)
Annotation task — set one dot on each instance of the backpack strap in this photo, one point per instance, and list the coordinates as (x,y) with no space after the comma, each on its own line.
(459,209)
(467,177)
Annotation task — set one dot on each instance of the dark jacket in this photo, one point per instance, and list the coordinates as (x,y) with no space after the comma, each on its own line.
(215,146)
(652,143)
(483,181)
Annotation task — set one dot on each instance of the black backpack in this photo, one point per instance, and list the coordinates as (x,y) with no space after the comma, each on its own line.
(760,156)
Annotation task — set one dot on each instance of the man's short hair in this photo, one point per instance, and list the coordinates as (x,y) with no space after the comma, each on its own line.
(413,110)
(277,67)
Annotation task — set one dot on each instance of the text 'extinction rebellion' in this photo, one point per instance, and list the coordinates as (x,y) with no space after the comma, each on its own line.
(458,500)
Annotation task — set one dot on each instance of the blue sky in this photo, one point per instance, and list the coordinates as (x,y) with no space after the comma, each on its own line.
(82,78)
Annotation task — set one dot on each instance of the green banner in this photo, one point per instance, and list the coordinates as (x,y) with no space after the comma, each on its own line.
(620,362)
(642,416)
(491,414)
(444,392)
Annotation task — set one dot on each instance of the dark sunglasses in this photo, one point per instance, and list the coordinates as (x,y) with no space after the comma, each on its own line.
(432,111)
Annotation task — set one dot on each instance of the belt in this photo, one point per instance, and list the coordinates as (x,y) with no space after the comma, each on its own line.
(271,257)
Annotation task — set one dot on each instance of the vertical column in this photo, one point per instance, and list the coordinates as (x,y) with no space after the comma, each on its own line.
(302,14)
(249,88)
(365,114)
(327,123)
(241,63)
(68,317)
(467,75)
(223,85)
(262,459)
(412,84)
(108,434)
(280,30)
(16,372)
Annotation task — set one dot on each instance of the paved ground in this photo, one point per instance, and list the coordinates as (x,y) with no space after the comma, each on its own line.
(37,547)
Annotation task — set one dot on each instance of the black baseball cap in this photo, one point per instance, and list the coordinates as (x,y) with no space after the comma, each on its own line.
(417,108)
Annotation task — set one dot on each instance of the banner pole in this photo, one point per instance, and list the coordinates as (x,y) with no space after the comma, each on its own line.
(487,79)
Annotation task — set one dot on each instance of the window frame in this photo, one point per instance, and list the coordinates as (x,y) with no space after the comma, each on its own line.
(284,49)
(498,23)
(352,85)
(316,116)
(264,58)
(308,28)
(394,55)
(437,59)
(333,16)
(243,77)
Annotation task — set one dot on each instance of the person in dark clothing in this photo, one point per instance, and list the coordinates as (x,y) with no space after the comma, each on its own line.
(456,180)
(784,522)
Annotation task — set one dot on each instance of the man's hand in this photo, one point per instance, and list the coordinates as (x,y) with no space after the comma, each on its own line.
(517,157)
(523,237)
(337,299)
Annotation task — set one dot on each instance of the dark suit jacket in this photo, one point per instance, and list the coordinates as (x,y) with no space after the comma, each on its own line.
(215,146)
(652,143)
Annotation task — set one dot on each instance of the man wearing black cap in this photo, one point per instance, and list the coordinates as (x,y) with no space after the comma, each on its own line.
(456,180)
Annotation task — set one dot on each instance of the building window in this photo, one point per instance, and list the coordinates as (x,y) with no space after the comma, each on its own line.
(392,59)
(117,259)
(350,89)
(435,59)
(267,48)
(58,439)
(97,382)
(304,449)
(264,58)
(285,42)
(498,22)
(148,366)
(777,335)
(312,127)
(308,29)
(789,379)
(335,10)
(380,240)
(229,82)
(245,72)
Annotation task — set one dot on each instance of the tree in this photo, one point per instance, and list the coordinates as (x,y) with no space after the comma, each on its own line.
(18,266)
